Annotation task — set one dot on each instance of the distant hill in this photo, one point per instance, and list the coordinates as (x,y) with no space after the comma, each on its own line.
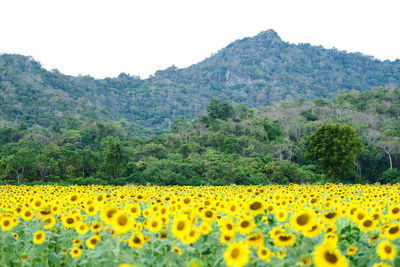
(254,71)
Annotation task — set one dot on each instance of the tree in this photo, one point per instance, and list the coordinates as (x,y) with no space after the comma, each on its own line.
(389,146)
(218,109)
(335,148)
(114,158)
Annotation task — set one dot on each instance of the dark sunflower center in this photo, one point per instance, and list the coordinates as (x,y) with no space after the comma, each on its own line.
(93,241)
(229,226)
(332,258)
(235,253)
(255,206)
(154,224)
(393,230)
(245,224)
(330,215)
(136,240)
(303,219)
(284,238)
(6,223)
(70,220)
(39,236)
(396,210)
(264,252)
(367,223)
(181,226)
(388,249)
(209,214)
(122,220)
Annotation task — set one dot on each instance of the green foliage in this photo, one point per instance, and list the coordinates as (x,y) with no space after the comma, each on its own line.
(335,148)
(252,71)
(217,109)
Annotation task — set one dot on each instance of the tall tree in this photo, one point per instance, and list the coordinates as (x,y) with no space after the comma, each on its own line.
(335,148)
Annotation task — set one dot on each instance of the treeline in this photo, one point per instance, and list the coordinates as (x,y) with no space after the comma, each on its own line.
(227,145)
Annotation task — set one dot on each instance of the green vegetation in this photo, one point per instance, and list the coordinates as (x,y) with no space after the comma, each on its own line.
(228,144)
(253,71)
(335,148)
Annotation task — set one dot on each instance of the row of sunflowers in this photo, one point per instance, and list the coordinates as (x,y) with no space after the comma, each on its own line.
(292,225)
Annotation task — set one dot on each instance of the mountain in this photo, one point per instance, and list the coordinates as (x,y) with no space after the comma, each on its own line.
(254,71)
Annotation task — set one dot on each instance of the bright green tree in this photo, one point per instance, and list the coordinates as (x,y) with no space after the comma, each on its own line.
(335,148)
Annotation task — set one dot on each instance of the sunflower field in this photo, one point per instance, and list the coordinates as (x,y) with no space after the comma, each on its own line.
(293,225)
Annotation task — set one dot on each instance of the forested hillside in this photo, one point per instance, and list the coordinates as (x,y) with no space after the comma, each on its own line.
(228,144)
(253,71)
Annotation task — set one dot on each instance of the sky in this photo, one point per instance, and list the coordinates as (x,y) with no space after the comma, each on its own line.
(103,38)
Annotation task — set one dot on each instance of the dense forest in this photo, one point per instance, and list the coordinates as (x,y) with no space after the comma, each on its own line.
(253,71)
(228,144)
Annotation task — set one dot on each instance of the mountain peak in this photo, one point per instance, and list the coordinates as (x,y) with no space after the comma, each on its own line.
(269,34)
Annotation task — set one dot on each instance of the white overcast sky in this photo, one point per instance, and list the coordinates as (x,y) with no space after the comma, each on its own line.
(104,38)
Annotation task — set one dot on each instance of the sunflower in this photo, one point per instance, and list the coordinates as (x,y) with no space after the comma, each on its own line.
(381,264)
(281,215)
(15,235)
(226,225)
(301,221)
(255,207)
(77,242)
(92,210)
(245,225)
(386,251)
(392,232)
(50,222)
(208,215)
(281,253)
(195,263)
(304,261)
(133,210)
(27,215)
(205,228)
(226,237)
(351,250)
(330,216)
(162,235)
(7,223)
(39,237)
(237,254)
(69,221)
(82,228)
(264,254)
(313,231)
(255,240)
(154,225)
(75,252)
(121,223)
(192,236)
(284,240)
(368,224)
(326,255)
(394,212)
(177,250)
(275,231)
(107,214)
(180,226)
(136,240)
(91,242)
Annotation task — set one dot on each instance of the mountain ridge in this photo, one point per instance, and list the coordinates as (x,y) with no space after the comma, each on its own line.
(254,71)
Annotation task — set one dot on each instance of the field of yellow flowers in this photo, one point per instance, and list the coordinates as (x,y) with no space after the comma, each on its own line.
(293,225)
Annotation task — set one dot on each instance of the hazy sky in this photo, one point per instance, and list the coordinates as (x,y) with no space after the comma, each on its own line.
(104,38)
